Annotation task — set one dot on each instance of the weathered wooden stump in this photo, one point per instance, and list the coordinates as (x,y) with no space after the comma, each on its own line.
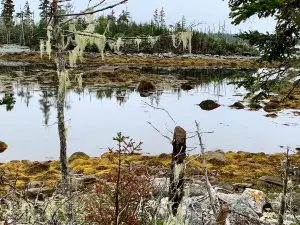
(177,170)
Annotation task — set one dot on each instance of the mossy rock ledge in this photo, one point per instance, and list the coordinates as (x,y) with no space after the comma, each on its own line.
(209,105)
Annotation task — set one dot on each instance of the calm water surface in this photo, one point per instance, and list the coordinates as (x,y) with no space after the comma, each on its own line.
(94,117)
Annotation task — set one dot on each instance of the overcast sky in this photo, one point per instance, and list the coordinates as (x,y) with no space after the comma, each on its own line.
(212,12)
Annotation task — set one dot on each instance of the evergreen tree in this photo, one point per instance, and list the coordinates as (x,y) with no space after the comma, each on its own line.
(124,17)
(183,23)
(44,7)
(7,14)
(162,18)
(27,13)
(155,18)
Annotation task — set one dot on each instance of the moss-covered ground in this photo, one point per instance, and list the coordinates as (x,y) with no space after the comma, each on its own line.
(239,166)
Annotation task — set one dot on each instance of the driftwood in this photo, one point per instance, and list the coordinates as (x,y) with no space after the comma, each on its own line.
(177,169)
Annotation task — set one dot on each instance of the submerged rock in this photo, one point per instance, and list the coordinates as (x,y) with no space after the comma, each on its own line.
(3,146)
(238,105)
(255,106)
(145,86)
(186,87)
(209,105)
(272,107)
(271,115)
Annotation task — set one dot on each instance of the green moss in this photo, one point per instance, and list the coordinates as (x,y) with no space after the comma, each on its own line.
(78,155)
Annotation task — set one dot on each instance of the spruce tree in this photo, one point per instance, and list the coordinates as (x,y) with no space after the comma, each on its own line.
(155,18)
(27,13)
(162,18)
(44,7)
(7,14)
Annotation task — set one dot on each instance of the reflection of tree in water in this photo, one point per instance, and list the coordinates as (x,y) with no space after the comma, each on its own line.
(104,93)
(121,94)
(156,97)
(9,100)
(25,94)
(46,104)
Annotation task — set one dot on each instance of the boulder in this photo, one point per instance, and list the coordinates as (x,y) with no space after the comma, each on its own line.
(216,158)
(255,106)
(269,181)
(34,184)
(186,87)
(238,105)
(3,146)
(209,105)
(242,186)
(145,86)
(42,192)
(85,180)
(250,203)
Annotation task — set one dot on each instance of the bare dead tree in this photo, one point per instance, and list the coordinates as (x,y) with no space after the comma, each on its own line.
(177,170)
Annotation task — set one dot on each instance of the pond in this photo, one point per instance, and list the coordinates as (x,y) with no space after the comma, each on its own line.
(95,115)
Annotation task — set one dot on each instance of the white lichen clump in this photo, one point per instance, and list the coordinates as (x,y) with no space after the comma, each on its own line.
(153,40)
(42,47)
(138,41)
(48,43)
(185,38)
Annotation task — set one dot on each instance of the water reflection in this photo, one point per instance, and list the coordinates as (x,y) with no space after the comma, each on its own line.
(9,101)
(98,113)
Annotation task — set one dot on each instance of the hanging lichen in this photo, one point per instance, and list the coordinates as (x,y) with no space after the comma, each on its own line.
(48,43)
(138,41)
(119,44)
(42,47)
(186,38)
(64,81)
(100,41)
(174,39)
(112,45)
(153,40)
(73,57)
(78,78)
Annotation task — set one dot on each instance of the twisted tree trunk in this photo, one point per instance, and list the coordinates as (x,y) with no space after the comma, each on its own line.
(177,170)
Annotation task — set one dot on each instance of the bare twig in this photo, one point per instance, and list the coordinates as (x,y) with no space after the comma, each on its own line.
(160,109)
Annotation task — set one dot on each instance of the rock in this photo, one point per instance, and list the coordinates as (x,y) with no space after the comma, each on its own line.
(209,105)
(145,86)
(250,203)
(271,115)
(42,192)
(85,180)
(216,158)
(242,186)
(255,106)
(3,146)
(238,105)
(78,155)
(272,107)
(269,181)
(34,184)
(186,87)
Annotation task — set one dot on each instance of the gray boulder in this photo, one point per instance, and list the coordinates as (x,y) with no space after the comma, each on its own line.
(269,181)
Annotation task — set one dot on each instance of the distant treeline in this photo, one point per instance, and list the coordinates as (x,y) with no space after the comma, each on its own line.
(27,32)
